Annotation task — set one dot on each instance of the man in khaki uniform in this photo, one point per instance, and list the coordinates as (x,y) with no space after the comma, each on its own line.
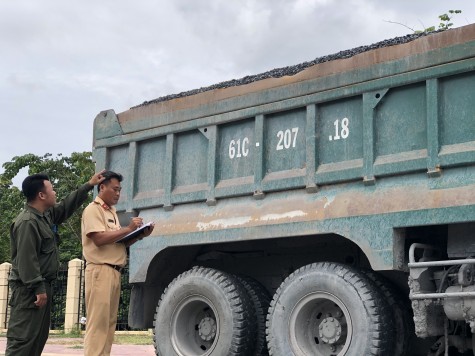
(104,262)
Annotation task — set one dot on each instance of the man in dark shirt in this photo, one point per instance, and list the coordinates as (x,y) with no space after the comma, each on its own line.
(34,253)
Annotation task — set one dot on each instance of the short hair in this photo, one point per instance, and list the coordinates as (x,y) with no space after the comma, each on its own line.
(32,185)
(109,175)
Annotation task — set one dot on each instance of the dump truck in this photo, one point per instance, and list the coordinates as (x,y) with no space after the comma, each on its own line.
(326,208)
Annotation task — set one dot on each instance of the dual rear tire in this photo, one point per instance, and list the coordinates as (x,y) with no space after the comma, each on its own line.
(208,312)
(323,309)
(328,309)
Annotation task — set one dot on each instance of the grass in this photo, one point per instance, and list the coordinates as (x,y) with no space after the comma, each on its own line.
(133,339)
(76,347)
(143,338)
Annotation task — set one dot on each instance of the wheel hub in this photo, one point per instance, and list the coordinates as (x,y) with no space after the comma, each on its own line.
(329,330)
(207,328)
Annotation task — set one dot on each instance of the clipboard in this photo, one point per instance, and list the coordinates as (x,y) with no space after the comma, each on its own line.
(137,232)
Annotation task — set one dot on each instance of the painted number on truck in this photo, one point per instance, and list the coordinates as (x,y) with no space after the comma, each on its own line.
(239,148)
(341,129)
(287,138)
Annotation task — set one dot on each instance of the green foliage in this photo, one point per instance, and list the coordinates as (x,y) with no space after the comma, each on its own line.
(66,174)
(445,23)
(11,203)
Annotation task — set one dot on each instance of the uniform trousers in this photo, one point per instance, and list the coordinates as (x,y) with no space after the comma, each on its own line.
(102,284)
(28,327)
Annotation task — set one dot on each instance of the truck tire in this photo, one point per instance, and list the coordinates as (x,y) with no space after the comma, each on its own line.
(204,312)
(260,299)
(327,309)
(401,313)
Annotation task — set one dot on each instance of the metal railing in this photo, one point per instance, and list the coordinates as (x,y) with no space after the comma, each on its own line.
(58,307)
(123,312)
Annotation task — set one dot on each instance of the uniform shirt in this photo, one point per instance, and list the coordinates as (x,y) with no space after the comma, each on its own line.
(99,217)
(34,249)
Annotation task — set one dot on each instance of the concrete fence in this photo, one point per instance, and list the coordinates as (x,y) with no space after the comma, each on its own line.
(4,272)
(73,295)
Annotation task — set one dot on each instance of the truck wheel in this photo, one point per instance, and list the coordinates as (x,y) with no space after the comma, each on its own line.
(401,312)
(204,312)
(260,299)
(328,309)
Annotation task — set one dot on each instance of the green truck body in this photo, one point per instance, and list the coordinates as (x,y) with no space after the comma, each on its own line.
(365,163)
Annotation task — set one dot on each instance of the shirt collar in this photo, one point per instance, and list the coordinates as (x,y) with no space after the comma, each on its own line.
(33,210)
(104,206)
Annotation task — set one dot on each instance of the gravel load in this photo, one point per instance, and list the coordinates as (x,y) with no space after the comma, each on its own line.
(291,70)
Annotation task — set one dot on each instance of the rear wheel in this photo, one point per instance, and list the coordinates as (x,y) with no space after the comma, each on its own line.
(260,300)
(204,312)
(401,312)
(328,309)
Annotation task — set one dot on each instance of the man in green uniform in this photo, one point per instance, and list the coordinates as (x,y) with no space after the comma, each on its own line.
(34,253)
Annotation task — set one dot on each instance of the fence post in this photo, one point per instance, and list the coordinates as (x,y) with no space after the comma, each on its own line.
(73,295)
(4,272)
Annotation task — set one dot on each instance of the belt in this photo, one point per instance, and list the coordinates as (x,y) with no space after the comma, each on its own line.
(117,268)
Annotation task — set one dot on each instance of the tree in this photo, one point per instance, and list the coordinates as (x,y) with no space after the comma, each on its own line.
(11,201)
(444,23)
(66,174)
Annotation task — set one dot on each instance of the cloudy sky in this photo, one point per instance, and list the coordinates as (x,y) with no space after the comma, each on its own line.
(62,62)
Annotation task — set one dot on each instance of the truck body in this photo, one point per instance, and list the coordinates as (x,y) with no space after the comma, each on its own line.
(311,198)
